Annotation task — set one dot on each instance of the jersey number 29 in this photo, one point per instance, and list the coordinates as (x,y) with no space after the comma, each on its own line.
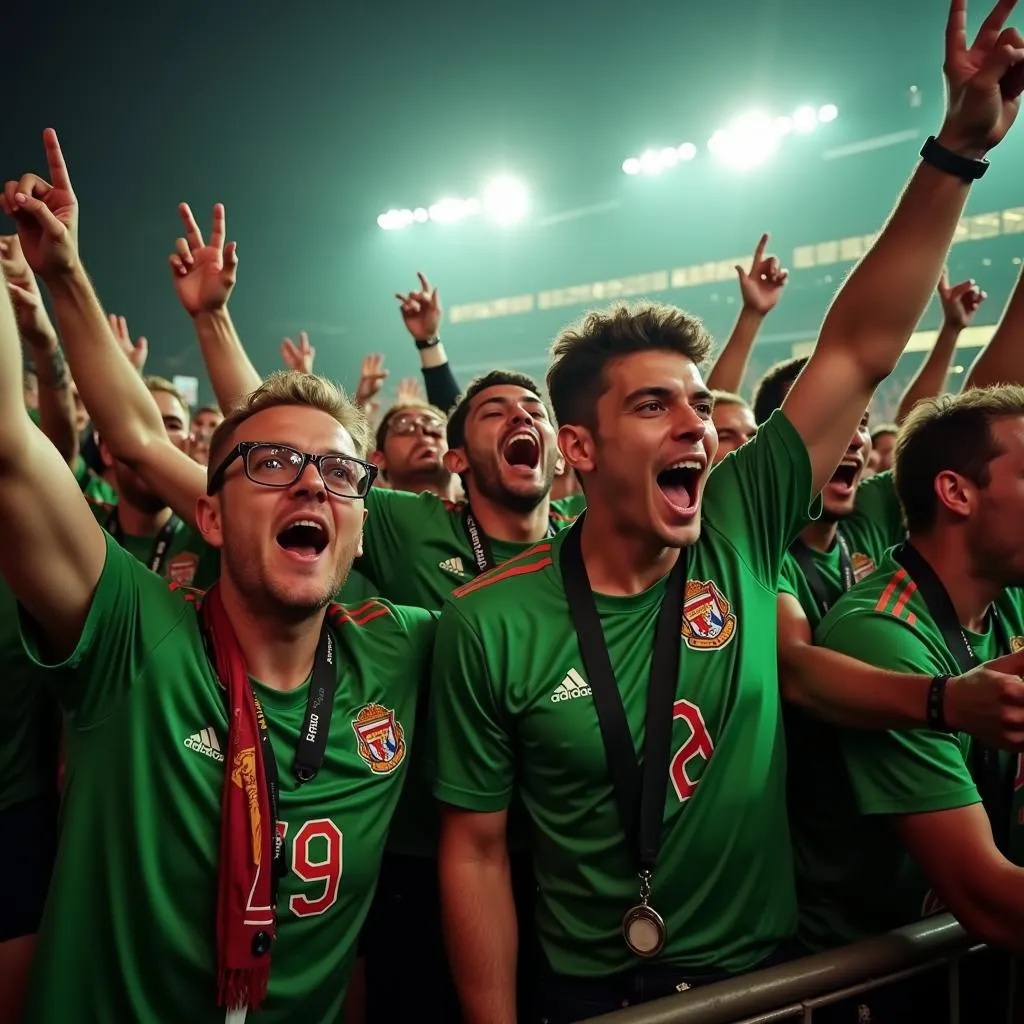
(316,857)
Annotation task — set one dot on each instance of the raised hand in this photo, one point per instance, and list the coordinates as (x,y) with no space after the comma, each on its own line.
(984,81)
(33,321)
(299,356)
(136,351)
(421,310)
(45,213)
(204,273)
(371,378)
(409,391)
(762,285)
(960,301)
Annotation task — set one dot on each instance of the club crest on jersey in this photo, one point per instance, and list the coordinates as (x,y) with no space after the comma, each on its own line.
(708,622)
(862,566)
(182,568)
(1016,644)
(380,738)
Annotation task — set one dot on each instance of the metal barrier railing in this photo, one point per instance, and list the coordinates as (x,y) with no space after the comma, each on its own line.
(797,988)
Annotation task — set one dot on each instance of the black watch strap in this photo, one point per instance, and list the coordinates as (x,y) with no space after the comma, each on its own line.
(428,343)
(945,160)
(936,711)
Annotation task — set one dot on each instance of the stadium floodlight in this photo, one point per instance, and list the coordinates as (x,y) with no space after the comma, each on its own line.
(395,219)
(828,112)
(505,200)
(448,211)
(687,151)
(421,215)
(650,162)
(747,142)
(631,165)
(805,120)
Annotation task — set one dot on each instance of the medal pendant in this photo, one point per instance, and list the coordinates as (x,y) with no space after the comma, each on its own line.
(644,930)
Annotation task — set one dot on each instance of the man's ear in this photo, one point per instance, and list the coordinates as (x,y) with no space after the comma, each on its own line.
(455,461)
(209,520)
(377,458)
(956,493)
(577,446)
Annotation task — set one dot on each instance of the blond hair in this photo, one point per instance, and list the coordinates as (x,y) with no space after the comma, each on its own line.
(289,387)
(155,384)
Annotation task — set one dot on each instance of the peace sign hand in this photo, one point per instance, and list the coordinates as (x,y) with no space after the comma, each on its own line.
(204,274)
(984,81)
(46,213)
(421,310)
(762,285)
(298,357)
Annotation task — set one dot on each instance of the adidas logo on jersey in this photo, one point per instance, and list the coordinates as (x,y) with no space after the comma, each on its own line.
(571,687)
(205,742)
(454,566)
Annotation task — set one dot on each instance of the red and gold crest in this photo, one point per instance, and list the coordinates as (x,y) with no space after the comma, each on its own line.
(708,621)
(182,568)
(380,738)
(862,566)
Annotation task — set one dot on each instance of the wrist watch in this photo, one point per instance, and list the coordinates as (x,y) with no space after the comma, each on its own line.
(428,342)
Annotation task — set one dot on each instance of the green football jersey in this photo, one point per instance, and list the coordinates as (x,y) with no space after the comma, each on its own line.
(865,882)
(513,708)
(415,548)
(129,931)
(875,526)
(415,552)
(29,717)
(188,560)
(813,747)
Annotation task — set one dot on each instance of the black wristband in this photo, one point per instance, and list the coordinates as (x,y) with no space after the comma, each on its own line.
(935,712)
(429,343)
(945,160)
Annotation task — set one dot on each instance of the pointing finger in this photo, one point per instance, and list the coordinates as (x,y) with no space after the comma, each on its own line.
(759,252)
(55,161)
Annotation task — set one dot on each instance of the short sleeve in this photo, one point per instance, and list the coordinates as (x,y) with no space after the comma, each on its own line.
(759,497)
(420,626)
(132,610)
(910,771)
(475,761)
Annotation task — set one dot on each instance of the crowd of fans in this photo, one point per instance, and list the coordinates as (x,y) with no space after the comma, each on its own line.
(509,702)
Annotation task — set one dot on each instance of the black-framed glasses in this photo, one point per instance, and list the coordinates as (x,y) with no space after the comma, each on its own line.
(278,465)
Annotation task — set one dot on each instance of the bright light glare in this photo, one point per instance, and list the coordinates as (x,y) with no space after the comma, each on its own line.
(748,141)
(631,165)
(687,151)
(783,125)
(395,219)
(668,157)
(420,215)
(650,162)
(829,112)
(805,120)
(505,200)
(447,211)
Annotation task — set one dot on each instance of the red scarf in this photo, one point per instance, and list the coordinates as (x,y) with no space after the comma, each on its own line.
(246,850)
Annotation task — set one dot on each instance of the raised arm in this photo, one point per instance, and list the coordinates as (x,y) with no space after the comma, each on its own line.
(760,289)
(959,304)
(877,308)
(204,277)
(1001,361)
(56,403)
(53,550)
(422,313)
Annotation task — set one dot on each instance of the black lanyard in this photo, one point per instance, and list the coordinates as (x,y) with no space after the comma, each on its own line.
(639,788)
(480,544)
(805,559)
(995,789)
(312,745)
(161,542)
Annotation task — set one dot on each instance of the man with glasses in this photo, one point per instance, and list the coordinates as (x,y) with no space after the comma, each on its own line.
(236,759)
(410,450)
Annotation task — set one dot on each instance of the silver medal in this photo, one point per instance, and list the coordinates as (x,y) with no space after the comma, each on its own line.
(642,926)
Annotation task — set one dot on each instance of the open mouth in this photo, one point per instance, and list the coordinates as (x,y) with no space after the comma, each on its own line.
(522,450)
(303,538)
(679,483)
(846,475)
